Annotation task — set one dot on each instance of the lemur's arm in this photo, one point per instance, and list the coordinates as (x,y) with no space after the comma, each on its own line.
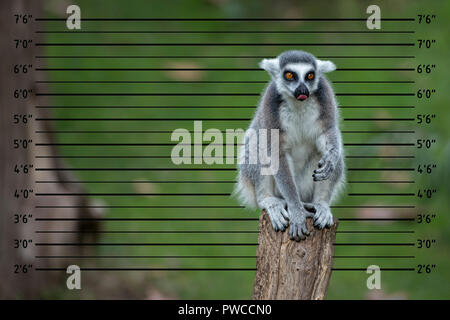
(286,184)
(329,143)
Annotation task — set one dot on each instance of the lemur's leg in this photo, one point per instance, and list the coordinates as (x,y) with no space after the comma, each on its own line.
(323,194)
(274,206)
(321,203)
(327,176)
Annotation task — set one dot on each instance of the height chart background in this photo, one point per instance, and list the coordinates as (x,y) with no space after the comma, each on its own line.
(87,120)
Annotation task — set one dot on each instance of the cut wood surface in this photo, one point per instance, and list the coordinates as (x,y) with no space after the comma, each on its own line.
(290,270)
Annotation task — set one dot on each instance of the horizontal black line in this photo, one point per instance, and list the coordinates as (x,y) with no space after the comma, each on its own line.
(379,119)
(145,257)
(192,131)
(212,207)
(130,194)
(147,219)
(224,44)
(204,257)
(200,81)
(373,207)
(137,181)
(150,269)
(150,81)
(377,131)
(144,207)
(201,144)
(98,244)
(135,169)
(152,231)
(376,219)
(221,31)
(377,107)
(207,69)
(163,94)
(191,107)
(226,19)
(194,219)
(379,181)
(206,231)
(202,181)
(375,232)
(378,144)
(409,244)
(169,157)
(196,169)
(203,94)
(382,194)
(379,157)
(212,57)
(142,119)
(136,144)
(104,157)
(380,169)
(381,257)
(206,269)
(365,269)
(144,107)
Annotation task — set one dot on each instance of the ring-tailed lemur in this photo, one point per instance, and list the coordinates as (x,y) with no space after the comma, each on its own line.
(300,103)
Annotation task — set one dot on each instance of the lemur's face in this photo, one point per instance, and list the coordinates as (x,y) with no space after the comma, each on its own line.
(298,80)
(296,73)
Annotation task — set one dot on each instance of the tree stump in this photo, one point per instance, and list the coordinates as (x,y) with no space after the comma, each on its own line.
(290,270)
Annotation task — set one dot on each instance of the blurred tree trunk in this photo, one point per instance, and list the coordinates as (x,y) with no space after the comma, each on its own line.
(31,284)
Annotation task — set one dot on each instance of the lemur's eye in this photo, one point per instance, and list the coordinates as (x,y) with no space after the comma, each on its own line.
(289,75)
(310,76)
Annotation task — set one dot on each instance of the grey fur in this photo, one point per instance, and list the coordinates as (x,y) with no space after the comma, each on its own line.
(296,56)
(311,165)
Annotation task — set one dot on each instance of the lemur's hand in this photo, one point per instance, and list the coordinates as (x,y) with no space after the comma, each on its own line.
(297,220)
(326,166)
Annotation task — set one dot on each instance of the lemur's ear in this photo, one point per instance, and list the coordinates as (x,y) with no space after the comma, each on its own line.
(325,66)
(272,66)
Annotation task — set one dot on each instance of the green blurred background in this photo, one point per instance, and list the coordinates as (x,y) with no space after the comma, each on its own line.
(238,284)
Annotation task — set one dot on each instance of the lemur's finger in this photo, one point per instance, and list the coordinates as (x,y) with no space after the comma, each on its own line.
(320,177)
(323,168)
(321,163)
(285,213)
(305,230)
(320,222)
(329,222)
(293,231)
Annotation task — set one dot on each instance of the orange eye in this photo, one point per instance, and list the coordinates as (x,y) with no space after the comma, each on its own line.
(289,75)
(310,76)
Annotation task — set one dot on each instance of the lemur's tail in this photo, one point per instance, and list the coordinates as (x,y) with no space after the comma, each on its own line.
(244,190)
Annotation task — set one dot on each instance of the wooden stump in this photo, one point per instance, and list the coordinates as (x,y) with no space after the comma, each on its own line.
(290,270)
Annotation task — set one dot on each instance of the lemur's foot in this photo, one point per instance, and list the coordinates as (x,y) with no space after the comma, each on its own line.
(275,207)
(298,229)
(322,214)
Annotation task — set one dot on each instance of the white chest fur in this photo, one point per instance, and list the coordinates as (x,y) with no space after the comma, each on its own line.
(299,120)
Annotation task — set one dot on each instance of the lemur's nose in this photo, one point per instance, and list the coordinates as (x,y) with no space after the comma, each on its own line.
(302,92)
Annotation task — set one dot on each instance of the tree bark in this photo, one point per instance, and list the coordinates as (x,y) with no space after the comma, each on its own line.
(290,270)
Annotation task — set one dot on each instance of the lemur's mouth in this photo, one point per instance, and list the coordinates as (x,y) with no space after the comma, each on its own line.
(302,97)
